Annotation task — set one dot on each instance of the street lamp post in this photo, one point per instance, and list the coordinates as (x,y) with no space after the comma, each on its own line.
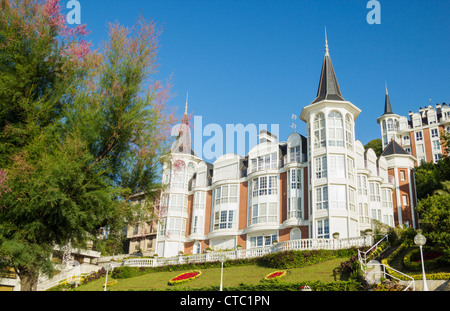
(108,268)
(420,240)
(222,259)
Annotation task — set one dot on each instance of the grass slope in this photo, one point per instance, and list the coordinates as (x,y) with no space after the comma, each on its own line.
(233,276)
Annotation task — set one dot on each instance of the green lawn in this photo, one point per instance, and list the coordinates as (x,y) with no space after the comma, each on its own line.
(233,276)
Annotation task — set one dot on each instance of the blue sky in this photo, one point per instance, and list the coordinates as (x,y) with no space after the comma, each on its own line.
(259,61)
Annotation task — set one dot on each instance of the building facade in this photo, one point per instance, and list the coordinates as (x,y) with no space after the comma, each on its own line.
(305,187)
(419,133)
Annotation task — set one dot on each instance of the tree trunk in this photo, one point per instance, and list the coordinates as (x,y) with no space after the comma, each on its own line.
(28,280)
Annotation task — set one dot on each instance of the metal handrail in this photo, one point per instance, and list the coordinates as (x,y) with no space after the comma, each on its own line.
(363,265)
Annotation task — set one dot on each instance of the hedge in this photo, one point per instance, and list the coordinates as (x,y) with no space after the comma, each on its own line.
(387,261)
(417,266)
(351,285)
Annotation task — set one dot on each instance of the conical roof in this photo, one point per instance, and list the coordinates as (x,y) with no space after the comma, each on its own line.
(328,84)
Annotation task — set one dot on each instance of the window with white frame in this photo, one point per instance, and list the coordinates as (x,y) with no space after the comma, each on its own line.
(319,131)
(295,178)
(405,200)
(226,194)
(362,185)
(264,185)
(402,175)
(295,207)
(323,229)
(374,192)
(265,162)
(416,121)
(321,167)
(224,219)
(294,154)
(390,124)
(348,132)
(432,118)
(263,213)
(199,200)
(387,199)
(352,199)
(434,133)
(436,145)
(335,129)
(337,196)
(262,240)
(336,166)
(351,169)
(322,198)
(176,227)
(163,226)
(178,203)
(419,136)
(197,224)
(178,176)
(437,157)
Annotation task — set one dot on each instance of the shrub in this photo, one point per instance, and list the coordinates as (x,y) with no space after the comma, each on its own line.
(351,285)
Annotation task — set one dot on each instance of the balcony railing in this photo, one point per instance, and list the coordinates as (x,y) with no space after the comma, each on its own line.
(302,244)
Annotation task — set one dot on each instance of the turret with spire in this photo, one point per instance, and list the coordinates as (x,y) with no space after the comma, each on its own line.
(387,103)
(388,121)
(328,85)
(182,143)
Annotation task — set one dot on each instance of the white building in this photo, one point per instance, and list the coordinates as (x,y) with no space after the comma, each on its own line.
(305,187)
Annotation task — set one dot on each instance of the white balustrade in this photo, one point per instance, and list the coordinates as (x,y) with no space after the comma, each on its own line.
(302,244)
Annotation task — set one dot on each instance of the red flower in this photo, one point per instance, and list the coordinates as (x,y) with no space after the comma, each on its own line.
(275,275)
(184,277)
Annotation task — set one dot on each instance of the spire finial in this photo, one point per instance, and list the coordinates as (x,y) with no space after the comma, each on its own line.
(186,107)
(385,83)
(326,42)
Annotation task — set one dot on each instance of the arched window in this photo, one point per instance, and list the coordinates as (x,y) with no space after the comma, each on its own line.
(390,125)
(335,129)
(319,131)
(178,175)
(348,132)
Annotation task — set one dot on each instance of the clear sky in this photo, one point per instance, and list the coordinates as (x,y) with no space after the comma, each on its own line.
(259,61)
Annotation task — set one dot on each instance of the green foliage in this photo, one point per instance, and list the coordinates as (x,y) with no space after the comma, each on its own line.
(79,133)
(376,146)
(435,220)
(412,260)
(351,285)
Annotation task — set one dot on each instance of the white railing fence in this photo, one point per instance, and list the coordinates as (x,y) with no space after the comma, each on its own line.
(303,244)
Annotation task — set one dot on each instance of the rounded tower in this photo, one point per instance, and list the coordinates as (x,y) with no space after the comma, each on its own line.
(330,123)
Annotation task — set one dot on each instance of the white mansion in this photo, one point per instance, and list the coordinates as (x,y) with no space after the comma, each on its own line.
(304,187)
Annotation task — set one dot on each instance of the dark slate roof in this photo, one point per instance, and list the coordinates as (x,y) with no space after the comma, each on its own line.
(328,85)
(387,105)
(394,148)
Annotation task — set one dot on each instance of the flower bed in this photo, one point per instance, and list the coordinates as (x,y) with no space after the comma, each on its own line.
(185,277)
(275,275)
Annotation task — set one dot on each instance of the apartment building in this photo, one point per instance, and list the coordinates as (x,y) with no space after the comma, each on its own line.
(419,133)
(305,187)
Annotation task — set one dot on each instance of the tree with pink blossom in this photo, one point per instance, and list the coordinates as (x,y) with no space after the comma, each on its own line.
(81,132)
